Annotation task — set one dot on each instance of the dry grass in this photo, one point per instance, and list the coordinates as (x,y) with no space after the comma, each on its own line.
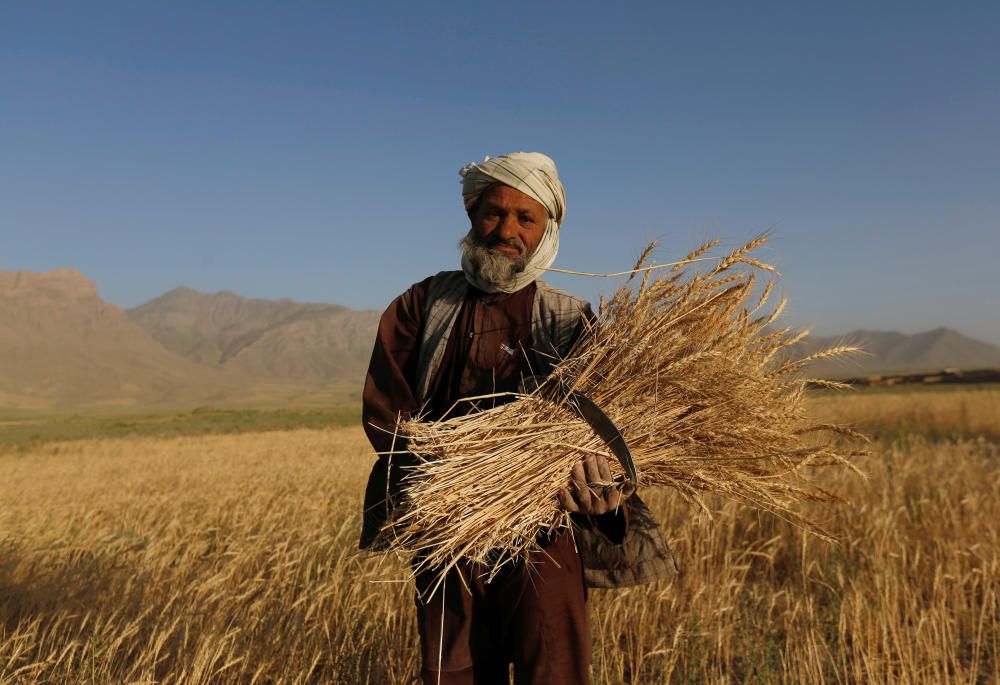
(230,559)
(688,365)
(196,560)
(952,412)
(910,597)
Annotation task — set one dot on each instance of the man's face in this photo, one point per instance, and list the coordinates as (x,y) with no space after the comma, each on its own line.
(507,227)
(509,221)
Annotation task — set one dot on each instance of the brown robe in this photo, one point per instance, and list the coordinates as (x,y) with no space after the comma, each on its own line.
(536,620)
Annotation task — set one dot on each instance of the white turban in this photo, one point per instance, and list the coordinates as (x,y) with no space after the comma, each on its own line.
(535,175)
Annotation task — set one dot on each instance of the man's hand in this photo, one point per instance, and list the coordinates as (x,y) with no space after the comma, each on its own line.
(591,490)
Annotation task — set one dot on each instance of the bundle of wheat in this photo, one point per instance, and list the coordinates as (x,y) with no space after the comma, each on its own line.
(689,372)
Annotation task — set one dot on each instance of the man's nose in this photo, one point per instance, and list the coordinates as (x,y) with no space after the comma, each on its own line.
(508,227)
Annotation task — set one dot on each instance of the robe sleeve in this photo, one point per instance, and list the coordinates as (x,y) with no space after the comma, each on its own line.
(389,396)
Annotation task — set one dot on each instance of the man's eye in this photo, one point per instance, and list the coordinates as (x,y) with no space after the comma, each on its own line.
(525,219)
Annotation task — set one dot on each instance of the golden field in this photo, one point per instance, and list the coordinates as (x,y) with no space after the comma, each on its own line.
(232,559)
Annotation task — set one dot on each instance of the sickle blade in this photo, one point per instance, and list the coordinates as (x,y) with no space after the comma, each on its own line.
(606,430)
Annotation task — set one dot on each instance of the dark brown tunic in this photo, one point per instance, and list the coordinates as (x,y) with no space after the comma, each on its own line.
(537,620)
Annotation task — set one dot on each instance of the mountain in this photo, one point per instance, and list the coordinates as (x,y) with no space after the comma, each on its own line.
(60,343)
(889,351)
(315,344)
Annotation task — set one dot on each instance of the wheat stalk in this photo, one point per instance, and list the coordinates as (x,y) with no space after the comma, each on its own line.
(687,376)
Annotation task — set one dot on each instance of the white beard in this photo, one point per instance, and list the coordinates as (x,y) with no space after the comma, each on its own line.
(490,265)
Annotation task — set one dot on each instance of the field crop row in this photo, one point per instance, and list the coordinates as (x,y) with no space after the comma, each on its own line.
(232,559)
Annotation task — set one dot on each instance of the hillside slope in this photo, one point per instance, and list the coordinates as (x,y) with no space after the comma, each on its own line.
(61,344)
(889,351)
(277,339)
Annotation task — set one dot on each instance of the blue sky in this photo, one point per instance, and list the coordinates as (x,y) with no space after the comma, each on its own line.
(310,149)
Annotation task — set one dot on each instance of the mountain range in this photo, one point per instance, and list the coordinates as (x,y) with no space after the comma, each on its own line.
(282,340)
(891,352)
(61,345)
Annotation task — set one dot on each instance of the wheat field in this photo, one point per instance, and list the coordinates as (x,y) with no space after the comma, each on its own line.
(232,559)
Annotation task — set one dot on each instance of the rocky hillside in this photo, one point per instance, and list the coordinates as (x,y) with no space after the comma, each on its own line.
(60,343)
(889,351)
(277,339)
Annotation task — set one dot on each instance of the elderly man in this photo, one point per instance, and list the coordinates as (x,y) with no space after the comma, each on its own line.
(478,331)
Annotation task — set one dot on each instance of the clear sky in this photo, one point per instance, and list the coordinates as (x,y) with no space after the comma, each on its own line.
(310,149)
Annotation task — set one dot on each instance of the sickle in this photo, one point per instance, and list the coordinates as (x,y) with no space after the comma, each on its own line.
(586,409)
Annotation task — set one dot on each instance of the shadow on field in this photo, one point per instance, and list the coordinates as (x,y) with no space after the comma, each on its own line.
(82,611)
(70,600)
(32,589)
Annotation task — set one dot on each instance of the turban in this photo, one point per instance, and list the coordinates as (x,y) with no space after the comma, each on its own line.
(535,175)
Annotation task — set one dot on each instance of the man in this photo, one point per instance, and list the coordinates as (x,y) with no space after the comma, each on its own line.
(478,331)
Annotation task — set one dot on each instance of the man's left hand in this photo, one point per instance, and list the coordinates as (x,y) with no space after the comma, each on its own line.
(591,489)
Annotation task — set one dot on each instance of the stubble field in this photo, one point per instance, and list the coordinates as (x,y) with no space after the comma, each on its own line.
(232,559)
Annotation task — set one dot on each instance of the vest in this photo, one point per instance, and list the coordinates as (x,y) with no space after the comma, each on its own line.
(643,556)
